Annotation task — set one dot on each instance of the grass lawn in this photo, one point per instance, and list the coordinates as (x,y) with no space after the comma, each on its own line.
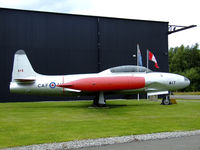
(46,122)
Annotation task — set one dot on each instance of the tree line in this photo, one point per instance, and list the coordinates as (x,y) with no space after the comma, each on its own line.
(186,61)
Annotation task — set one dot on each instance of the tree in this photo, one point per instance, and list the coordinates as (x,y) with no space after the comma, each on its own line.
(186,61)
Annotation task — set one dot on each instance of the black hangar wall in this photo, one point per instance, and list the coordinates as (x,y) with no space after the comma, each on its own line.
(58,43)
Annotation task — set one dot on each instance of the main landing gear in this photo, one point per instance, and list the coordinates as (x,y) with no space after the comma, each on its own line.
(99,100)
(166,100)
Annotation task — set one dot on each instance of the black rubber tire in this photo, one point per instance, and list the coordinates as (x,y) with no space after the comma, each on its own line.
(166,101)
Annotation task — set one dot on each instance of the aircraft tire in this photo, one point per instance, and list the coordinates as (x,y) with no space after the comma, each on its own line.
(166,101)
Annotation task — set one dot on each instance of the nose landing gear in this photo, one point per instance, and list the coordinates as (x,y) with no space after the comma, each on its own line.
(166,100)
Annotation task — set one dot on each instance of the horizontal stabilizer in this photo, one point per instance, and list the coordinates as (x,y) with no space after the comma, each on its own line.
(25,80)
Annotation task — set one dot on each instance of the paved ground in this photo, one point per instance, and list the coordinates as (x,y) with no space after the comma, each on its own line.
(185,96)
(183,143)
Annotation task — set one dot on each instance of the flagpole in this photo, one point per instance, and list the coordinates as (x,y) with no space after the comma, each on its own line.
(137,54)
(147,64)
(147,59)
(138,96)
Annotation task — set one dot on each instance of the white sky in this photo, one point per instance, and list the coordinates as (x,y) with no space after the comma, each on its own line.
(176,12)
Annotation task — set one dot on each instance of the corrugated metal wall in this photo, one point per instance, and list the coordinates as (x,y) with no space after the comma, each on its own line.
(69,44)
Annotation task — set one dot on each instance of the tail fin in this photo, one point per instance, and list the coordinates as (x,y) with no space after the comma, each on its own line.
(22,69)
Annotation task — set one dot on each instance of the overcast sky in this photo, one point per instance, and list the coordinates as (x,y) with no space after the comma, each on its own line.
(176,12)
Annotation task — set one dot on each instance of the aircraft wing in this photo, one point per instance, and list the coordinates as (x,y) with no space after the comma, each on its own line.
(156,88)
(71,90)
(157,93)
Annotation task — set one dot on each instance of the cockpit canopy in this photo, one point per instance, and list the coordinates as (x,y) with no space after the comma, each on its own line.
(129,69)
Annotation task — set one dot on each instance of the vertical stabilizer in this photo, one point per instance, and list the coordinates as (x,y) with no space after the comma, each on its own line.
(22,68)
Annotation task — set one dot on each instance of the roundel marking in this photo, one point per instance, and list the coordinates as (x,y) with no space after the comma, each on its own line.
(52,85)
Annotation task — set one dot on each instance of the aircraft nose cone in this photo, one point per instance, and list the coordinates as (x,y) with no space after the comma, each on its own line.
(187,81)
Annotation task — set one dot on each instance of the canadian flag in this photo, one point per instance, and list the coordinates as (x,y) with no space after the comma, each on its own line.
(153,58)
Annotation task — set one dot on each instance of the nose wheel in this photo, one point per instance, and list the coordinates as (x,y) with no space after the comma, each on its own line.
(166,100)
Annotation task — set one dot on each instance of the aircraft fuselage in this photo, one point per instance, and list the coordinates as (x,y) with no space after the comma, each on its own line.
(70,85)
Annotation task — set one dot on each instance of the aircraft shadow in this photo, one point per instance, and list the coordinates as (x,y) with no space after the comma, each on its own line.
(89,106)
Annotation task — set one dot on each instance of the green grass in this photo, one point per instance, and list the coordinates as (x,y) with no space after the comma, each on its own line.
(186,93)
(47,122)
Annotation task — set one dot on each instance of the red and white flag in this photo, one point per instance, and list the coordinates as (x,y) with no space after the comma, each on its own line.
(153,58)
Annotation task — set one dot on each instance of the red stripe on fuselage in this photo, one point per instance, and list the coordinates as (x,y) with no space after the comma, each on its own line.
(106,83)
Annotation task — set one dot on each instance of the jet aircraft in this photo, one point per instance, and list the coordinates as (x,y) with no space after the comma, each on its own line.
(117,80)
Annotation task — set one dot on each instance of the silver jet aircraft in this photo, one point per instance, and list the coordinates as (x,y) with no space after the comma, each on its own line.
(118,80)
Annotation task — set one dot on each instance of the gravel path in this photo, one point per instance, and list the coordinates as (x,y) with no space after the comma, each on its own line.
(106,141)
